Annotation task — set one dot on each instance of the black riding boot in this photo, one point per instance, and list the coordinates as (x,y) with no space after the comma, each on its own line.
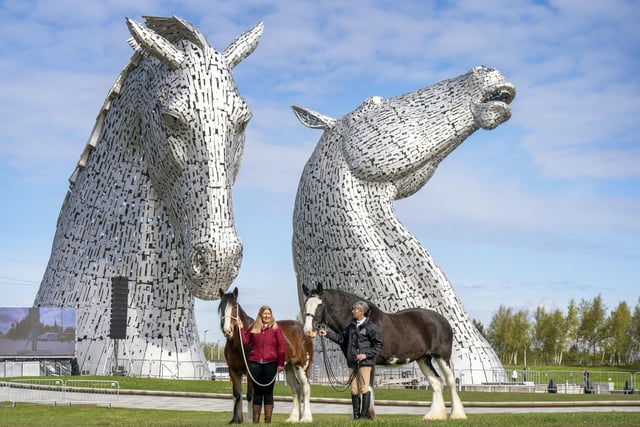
(355,401)
(366,402)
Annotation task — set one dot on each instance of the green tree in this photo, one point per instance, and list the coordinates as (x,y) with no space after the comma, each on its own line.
(508,333)
(521,337)
(498,331)
(592,327)
(619,326)
(549,336)
(572,324)
(634,334)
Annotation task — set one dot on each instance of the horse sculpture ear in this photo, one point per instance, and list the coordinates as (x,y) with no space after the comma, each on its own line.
(147,40)
(243,46)
(313,119)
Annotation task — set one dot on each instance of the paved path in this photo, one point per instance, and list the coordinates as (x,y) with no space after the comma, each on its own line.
(223,403)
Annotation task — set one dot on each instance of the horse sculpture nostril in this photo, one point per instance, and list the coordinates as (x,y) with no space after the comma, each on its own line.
(212,267)
(201,257)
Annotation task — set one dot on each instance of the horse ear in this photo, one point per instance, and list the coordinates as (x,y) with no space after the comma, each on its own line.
(220,292)
(147,40)
(243,46)
(305,290)
(235,292)
(319,288)
(313,119)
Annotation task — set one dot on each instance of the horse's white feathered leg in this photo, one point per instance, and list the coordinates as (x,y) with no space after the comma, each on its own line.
(305,390)
(457,410)
(437,411)
(289,370)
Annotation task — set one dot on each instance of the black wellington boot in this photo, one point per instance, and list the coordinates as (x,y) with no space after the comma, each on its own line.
(366,402)
(355,401)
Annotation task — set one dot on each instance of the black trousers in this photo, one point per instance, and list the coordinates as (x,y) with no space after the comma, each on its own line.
(263,374)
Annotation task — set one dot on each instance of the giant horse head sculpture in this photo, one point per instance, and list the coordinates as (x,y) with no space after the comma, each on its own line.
(192,129)
(345,230)
(150,199)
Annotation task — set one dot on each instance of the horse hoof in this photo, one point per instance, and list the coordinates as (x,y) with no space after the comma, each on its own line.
(457,416)
(434,417)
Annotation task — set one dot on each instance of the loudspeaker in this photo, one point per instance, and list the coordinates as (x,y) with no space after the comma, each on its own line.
(119,300)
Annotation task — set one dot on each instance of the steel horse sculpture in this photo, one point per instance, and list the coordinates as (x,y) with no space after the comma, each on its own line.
(345,231)
(413,334)
(299,359)
(150,200)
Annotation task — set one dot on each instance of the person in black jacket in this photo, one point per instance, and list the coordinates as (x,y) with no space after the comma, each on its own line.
(360,341)
(75,368)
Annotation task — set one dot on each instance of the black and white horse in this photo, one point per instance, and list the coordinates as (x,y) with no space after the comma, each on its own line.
(414,334)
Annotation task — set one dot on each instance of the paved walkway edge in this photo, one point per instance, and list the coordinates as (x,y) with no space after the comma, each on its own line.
(556,404)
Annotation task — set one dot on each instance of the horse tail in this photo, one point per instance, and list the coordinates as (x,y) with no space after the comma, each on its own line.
(372,406)
(429,362)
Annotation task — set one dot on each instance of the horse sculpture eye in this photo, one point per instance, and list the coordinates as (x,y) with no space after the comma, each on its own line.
(172,118)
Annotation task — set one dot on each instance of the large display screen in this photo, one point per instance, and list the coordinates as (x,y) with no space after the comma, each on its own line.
(37,332)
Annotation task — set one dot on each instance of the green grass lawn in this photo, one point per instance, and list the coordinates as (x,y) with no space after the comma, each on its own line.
(25,414)
(54,416)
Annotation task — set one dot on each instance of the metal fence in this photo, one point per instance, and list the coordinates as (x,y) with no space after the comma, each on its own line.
(35,368)
(596,382)
(522,380)
(156,369)
(54,391)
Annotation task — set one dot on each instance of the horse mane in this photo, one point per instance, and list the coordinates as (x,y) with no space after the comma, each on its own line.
(374,312)
(173,29)
(244,316)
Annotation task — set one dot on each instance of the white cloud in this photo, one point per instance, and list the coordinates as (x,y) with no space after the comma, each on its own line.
(556,186)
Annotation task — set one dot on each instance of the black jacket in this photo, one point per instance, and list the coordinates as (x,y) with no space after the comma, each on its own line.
(354,340)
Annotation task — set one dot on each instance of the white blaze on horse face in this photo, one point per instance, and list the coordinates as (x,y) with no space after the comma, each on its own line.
(226,324)
(310,309)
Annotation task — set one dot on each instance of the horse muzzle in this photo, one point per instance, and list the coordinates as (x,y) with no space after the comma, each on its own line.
(212,268)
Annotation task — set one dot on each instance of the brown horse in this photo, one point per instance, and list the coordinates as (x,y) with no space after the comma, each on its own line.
(299,358)
(414,334)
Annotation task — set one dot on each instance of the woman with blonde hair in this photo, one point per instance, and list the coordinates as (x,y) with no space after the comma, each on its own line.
(266,359)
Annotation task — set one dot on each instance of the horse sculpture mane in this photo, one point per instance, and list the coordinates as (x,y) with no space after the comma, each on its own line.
(345,230)
(150,202)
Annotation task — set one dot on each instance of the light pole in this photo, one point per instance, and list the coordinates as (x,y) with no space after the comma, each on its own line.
(205,343)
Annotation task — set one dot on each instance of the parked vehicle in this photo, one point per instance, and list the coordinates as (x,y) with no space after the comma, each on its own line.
(219,371)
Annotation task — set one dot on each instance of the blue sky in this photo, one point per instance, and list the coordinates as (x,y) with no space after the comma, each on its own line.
(543,209)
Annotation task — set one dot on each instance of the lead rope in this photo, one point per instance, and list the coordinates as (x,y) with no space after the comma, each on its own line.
(333,379)
(244,357)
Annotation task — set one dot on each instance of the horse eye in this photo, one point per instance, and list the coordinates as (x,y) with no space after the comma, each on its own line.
(172,118)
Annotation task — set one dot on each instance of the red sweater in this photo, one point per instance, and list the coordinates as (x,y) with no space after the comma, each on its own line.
(266,346)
